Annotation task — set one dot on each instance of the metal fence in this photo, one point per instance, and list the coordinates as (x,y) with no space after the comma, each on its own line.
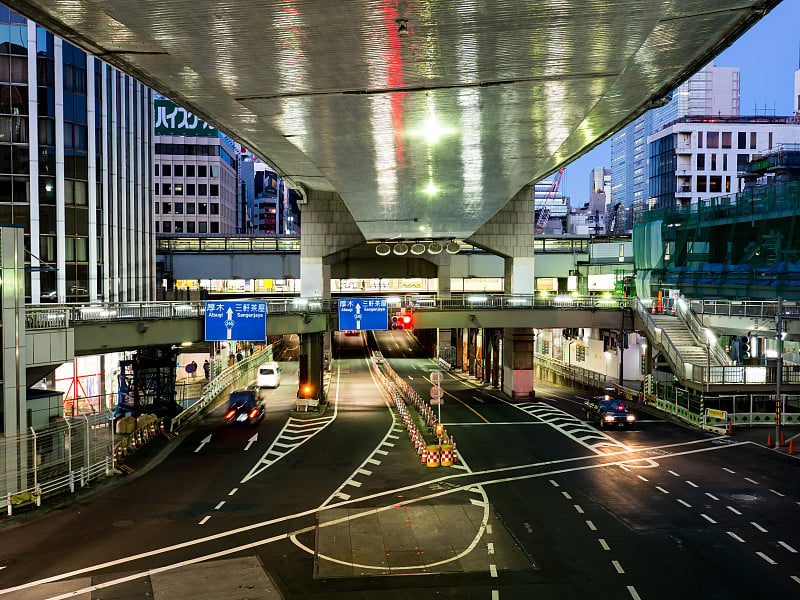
(64,456)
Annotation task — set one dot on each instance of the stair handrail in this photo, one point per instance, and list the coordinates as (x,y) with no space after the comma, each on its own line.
(658,336)
(687,315)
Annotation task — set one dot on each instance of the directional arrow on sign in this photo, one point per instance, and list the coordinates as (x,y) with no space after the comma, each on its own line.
(205,441)
(251,441)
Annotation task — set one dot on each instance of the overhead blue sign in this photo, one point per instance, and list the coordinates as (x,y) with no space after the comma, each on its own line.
(236,321)
(363,314)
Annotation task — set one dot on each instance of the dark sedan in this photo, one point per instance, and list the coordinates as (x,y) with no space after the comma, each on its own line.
(608,412)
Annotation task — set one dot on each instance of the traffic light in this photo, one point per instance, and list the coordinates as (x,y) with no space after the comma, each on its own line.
(745,348)
(396,322)
(402,321)
(307,391)
(406,321)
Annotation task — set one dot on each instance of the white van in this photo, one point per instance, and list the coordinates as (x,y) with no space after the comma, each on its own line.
(269,375)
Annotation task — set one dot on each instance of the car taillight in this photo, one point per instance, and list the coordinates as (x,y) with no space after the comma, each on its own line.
(230,414)
(253,413)
(631,418)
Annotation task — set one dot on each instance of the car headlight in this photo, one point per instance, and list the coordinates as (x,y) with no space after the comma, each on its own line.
(631,418)
(609,417)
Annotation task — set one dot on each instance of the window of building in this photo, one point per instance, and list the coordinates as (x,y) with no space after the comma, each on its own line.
(752,140)
(190,170)
(202,208)
(701,162)
(178,170)
(727,139)
(741,161)
(202,227)
(201,171)
(712,139)
(213,208)
(166,208)
(214,171)
(178,191)
(724,162)
(214,189)
(190,208)
(214,227)
(190,227)
(190,189)
(157,227)
(715,184)
(155,169)
(742,140)
(727,184)
(157,207)
(178,226)
(166,189)
(167,227)
(713,162)
(179,208)
(701,183)
(156,190)
(166,170)
(770,141)
(202,189)
(699,139)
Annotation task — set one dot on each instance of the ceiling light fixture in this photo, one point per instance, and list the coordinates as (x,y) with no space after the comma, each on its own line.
(435,248)
(452,247)
(382,249)
(417,249)
(400,249)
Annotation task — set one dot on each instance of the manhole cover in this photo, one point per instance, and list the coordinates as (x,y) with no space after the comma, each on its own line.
(122,523)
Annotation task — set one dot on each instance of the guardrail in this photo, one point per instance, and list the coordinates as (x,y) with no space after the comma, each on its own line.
(55,316)
(745,308)
(686,314)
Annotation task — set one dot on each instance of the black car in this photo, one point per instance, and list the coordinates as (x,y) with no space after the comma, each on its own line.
(608,412)
(244,408)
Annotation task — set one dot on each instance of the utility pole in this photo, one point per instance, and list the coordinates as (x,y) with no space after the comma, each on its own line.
(779,374)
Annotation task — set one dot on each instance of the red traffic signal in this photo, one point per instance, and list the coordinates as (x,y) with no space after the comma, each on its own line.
(307,391)
(406,321)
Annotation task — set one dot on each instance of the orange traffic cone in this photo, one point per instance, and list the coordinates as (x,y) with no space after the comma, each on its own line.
(791,447)
(783,439)
(730,428)
(769,441)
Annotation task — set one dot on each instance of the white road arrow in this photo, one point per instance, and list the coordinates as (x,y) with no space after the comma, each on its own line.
(205,441)
(251,441)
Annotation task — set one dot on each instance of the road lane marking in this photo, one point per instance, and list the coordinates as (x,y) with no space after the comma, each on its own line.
(624,468)
(381,452)
(554,482)
(353,482)
(477,502)
(642,478)
(766,558)
(618,567)
(566,495)
(578,508)
(777,493)
(757,526)
(203,442)
(528,527)
(734,536)
(796,579)
(632,592)
(728,470)
(495,595)
(489,529)
(604,545)
(733,510)
(673,473)
(220,505)
(479,415)
(707,518)
(788,547)
(204,520)
(662,490)
(753,481)
(493,570)
(691,483)
(373,461)
(686,504)
(364,472)
(233,491)
(712,496)
(591,525)
(388,444)
(490,548)
(342,495)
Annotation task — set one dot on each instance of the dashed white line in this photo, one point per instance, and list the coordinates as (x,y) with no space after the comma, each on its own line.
(733,510)
(734,536)
(373,461)
(662,490)
(686,504)
(618,567)
(757,526)
(528,527)
(220,505)
(632,592)
(766,558)
(707,518)
(728,470)
(364,471)
(493,570)
(342,495)
(691,483)
(624,468)
(554,482)
(204,520)
(489,529)
(388,444)
(642,478)
(382,452)
(490,548)
(495,595)
(603,544)
(753,481)
(566,495)
(591,525)
(233,491)
(788,547)
(673,473)
(796,579)
(393,436)
(712,496)
(777,493)
(353,482)
(578,508)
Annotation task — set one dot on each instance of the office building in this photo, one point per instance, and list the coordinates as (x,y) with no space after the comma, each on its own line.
(711,91)
(195,175)
(75,156)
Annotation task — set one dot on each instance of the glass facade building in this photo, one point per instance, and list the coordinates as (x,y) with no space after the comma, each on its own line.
(75,155)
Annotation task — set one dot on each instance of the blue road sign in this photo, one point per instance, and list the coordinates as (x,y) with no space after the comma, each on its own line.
(363,314)
(236,321)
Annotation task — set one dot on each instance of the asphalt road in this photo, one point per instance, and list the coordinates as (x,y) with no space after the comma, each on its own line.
(656,512)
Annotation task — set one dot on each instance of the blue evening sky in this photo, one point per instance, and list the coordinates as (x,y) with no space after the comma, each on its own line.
(767,56)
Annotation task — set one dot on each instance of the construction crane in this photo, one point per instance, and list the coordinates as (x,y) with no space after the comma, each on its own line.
(544,212)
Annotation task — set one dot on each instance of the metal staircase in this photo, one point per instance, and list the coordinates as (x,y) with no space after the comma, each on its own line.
(691,349)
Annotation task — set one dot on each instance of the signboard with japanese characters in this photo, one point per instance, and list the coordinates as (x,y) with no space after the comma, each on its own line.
(236,321)
(171,119)
(363,314)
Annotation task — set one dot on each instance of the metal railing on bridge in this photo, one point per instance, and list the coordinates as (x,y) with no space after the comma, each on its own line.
(745,308)
(53,316)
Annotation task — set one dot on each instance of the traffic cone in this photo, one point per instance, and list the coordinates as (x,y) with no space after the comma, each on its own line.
(783,439)
(791,447)
(769,441)
(730,428)
(423,457)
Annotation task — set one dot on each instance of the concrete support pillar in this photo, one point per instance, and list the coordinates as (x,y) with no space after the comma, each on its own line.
(460,349)
(328,228)
(509,234)
(491,356)
(518,363)
(443,276)
(312,348)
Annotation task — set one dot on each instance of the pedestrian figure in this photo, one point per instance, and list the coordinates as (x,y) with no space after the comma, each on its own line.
(206,368)
(239,356)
